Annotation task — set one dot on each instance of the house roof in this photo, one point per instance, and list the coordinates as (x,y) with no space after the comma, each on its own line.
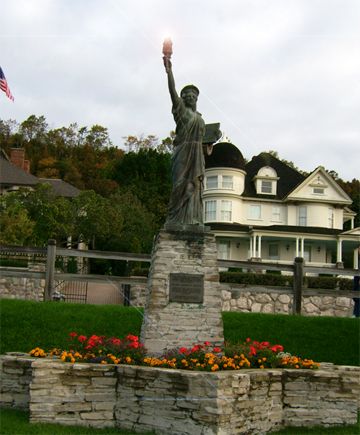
(226,155)
(11,175)
(275,228)
(289,178)
(61,187)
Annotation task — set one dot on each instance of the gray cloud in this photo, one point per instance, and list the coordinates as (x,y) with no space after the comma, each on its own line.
(277,75)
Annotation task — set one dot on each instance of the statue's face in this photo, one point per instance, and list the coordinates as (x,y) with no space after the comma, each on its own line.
(190,98)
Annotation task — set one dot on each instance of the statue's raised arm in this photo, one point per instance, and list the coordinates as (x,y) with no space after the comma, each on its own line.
(167,52)
(188,166)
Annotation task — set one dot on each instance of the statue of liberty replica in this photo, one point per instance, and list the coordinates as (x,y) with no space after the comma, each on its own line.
(183,304)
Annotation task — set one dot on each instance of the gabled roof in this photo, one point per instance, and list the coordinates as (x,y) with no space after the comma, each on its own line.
(289,178)
(61,187)
(11,175)
(299,191)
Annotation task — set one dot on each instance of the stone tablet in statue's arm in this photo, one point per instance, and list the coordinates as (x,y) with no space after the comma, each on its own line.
(211,136)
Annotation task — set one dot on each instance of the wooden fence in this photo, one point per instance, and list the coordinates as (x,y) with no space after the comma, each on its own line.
(298,269)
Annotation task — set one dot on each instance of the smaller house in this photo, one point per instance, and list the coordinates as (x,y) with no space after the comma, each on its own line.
(15,174)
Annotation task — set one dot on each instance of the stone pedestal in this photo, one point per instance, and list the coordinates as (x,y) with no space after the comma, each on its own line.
(183,304)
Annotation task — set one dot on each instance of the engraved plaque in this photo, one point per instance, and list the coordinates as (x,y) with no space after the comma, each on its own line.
(186,288)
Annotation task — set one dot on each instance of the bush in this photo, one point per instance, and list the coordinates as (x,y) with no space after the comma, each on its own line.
(271,279)
(255,279)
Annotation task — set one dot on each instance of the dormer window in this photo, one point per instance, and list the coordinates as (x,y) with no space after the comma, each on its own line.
(266,181)
(266,186)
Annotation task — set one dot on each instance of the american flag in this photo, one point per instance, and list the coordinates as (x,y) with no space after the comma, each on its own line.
(4,86)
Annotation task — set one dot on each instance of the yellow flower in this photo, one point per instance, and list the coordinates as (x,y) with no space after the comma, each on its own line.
(128,359)
(214,367)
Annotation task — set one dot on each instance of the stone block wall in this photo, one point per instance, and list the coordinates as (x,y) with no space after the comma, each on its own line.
(269,300)
(23,288)
(178,401)
(68,394)
(280,301)
(15,379)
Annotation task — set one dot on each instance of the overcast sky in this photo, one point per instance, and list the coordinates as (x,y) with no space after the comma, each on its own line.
(277,74)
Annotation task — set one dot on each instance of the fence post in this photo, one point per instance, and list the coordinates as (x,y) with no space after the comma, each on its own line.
(50,270)
(298,284)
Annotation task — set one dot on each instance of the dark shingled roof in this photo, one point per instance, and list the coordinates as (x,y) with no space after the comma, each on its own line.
(61,187)
(225,155)
(289,177)
(11,175)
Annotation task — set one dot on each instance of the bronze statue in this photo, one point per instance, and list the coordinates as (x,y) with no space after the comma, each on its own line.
(188,164)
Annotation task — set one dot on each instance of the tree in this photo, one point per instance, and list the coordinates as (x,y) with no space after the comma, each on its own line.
(147,174)
(15,223)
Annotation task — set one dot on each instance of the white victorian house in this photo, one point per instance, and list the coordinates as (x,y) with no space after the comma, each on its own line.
(268,211)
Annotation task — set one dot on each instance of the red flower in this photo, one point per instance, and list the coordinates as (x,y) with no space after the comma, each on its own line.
(277,348)
(132,338)
(196,348)
(183,350)
(265,343)
(115,341)
(82,338)
(207,343)
(134,345)
(248,340)
(252,351)
(216,349)
(73,334)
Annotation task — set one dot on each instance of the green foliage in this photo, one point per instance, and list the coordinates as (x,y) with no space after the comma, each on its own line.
(255,279)
(272,279)
(147,175)
(15,223)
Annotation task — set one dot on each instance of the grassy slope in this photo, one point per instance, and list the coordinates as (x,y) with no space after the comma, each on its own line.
(26,324)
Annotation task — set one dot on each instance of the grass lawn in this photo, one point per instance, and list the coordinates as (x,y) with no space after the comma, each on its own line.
(13,422)
(27,324)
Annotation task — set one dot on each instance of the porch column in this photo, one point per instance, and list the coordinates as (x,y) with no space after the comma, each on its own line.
(259,247)
(339,252)
(356,258)
(297,247)
(253,254)
(302,247)
(251,247)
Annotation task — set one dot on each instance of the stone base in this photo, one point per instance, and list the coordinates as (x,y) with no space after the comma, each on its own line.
(175,316)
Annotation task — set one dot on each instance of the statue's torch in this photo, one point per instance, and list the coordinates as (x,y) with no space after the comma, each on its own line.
(167,48)
(167,52)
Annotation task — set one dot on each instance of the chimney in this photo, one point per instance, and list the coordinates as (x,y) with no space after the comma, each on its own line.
(17,157)
(27,166)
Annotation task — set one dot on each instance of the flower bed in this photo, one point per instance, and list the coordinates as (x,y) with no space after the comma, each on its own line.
(201,357)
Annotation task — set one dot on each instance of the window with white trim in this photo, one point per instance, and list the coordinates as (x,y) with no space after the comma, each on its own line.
(223,248)
(227,182)
(225,211)
(254,211)
(276,214)
(319,190)
(266,186)
(210,210)
(212,182)
(302,216)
